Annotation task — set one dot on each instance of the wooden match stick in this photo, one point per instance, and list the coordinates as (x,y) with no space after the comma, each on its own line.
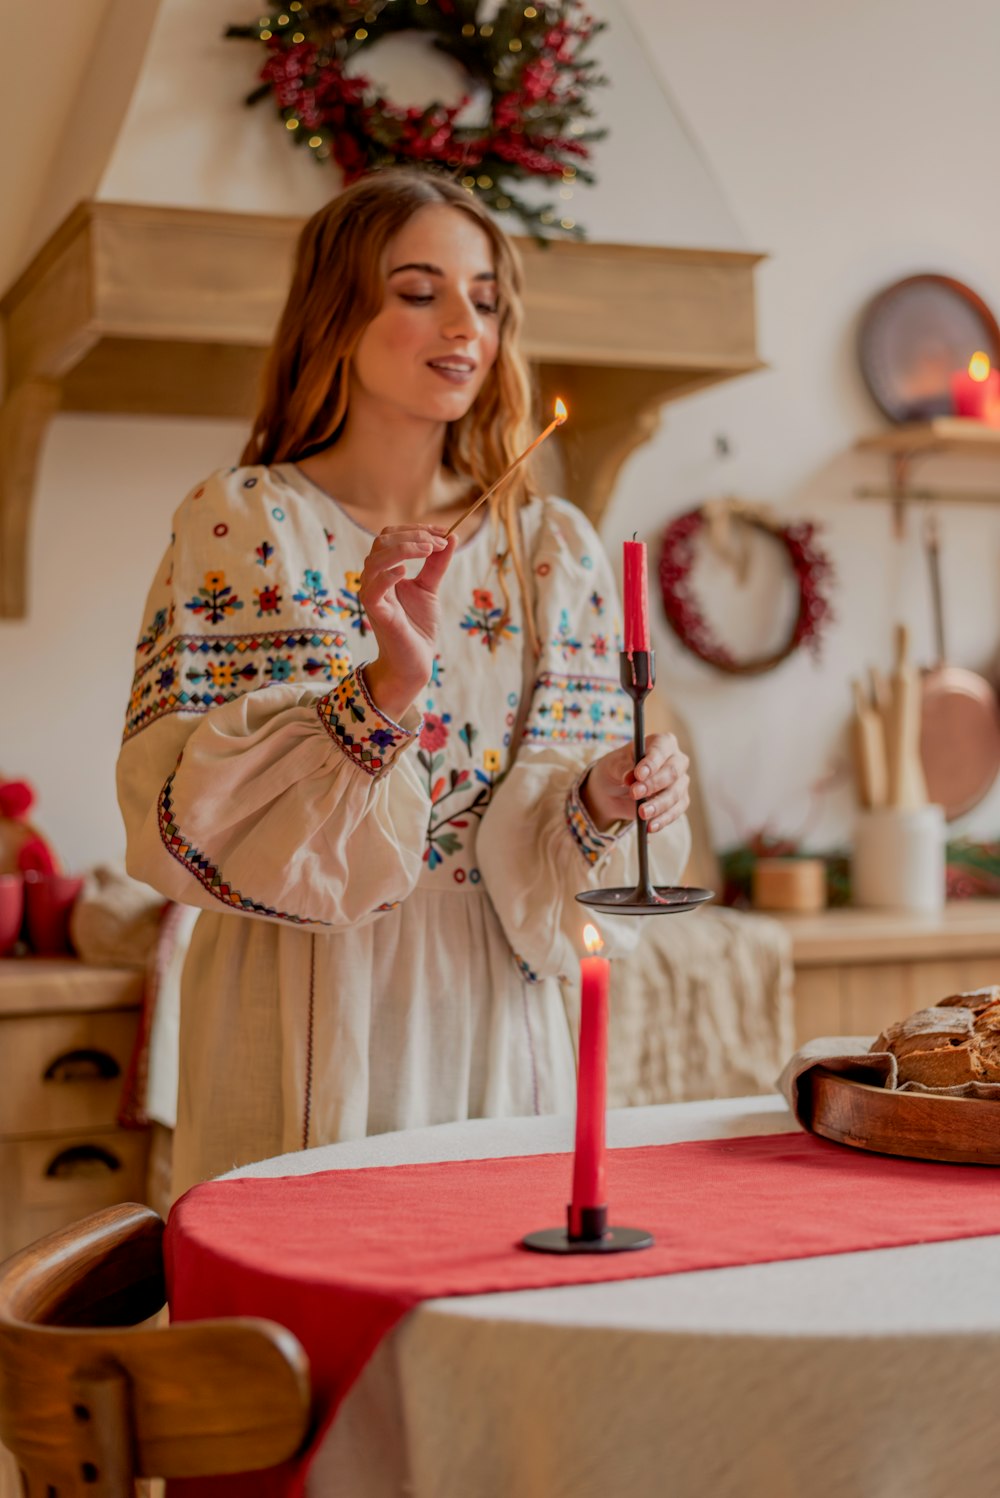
(557,421)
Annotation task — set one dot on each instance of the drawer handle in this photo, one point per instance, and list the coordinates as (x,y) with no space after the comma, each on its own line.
(82,1066)
(83,1160)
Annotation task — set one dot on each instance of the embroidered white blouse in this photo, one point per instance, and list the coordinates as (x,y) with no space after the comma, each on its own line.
(387,907)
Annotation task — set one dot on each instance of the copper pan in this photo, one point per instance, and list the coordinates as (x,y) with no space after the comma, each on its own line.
(960,718)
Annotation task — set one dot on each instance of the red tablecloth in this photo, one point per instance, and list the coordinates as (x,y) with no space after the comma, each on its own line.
(339,1257)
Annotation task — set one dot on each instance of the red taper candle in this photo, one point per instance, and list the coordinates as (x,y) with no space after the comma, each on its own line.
(636,600)
(592,1082)
(976,389)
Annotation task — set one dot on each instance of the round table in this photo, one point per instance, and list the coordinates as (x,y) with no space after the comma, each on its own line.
(863,1375)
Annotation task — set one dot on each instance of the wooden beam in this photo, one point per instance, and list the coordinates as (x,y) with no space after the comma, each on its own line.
(144,309)
(24,418)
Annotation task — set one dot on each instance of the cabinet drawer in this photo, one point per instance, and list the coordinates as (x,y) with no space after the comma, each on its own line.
(60,1072)
(47,1183)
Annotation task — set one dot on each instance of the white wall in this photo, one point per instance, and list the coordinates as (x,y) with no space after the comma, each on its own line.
(855,146)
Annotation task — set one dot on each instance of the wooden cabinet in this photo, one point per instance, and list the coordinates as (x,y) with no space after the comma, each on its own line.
(66,1036)
(858,970)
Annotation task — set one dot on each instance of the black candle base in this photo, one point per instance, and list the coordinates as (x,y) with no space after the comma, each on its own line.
(661,899)
(614,1241)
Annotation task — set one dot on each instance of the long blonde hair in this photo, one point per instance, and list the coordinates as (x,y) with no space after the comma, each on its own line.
(336,290)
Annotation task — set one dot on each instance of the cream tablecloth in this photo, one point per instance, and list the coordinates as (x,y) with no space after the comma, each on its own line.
(869,1375)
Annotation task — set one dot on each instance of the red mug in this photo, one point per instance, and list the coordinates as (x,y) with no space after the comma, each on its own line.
(48,903)
(11,911)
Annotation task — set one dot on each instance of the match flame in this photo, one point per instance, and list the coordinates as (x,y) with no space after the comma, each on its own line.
(979,366)
(561,412)
(592,939)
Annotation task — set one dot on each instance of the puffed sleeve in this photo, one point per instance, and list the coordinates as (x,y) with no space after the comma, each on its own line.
(538,847)
(256,774)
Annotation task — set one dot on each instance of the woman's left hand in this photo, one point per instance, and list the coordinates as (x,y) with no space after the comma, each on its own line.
(657,788)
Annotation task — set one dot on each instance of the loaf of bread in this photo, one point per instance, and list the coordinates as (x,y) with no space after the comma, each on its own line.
(954,1043)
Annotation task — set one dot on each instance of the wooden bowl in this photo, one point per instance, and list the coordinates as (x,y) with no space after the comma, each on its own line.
(920,1125)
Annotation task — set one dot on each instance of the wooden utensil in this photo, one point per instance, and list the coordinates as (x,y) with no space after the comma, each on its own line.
(906,785)
(868,739)
(920,1125)
(960,720)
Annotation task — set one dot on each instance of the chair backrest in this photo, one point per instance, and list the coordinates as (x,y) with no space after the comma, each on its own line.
(90,1400)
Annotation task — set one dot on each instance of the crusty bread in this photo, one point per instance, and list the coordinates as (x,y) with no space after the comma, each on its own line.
(977,999)
(956,1041)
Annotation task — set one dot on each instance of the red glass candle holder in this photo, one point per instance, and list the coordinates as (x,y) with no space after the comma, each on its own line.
(48,904)
(11,911)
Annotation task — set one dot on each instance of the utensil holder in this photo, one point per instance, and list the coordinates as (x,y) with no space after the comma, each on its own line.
(899,858)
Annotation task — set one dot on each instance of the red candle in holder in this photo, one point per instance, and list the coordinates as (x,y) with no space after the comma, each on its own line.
(592,1083)
(636,600)
(975,391)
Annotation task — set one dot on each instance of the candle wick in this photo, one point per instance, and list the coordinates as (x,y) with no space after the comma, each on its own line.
(633,535)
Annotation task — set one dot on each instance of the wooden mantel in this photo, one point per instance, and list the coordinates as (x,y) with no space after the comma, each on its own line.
(150,310)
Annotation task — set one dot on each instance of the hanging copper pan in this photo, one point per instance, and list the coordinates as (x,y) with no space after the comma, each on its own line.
(960,719)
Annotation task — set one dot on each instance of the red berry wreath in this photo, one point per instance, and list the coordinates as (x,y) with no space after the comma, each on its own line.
(811,567)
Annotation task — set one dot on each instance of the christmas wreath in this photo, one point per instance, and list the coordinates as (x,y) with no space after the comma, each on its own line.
(529,60)
(811,568)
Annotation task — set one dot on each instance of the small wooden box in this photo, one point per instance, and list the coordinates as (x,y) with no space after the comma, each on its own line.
(789,884)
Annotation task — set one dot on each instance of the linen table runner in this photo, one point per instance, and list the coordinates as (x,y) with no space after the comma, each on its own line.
(339,1257)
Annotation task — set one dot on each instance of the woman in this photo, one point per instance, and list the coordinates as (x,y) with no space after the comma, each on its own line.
(386,842)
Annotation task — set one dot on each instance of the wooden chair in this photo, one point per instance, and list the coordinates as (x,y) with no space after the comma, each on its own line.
(90,1401)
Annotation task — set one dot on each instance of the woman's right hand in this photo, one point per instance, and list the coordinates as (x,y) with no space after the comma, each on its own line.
(404,613)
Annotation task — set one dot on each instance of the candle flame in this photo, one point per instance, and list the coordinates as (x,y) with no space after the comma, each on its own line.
(561,412)
(592,939)
(979,366)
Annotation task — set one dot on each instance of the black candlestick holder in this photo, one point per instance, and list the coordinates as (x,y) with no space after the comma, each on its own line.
(587,1230)
(638,673)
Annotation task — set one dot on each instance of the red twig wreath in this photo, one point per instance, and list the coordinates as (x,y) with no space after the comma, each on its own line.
(812,569)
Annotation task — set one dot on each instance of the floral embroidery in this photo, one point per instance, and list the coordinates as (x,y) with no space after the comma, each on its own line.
(434,731)
(268,601)
(565,641)
(443,832)
(264,552)
(350,604)
(597,604)
(217,678)
(331,540)
(221,673)
(588,563)
(215,598)
(331,667)
(579,709)
(280,668)
(314,592)
(176,678)
(156,627)
(487,620)
(437,672)
(370,745)
(599,646)
(468,734)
